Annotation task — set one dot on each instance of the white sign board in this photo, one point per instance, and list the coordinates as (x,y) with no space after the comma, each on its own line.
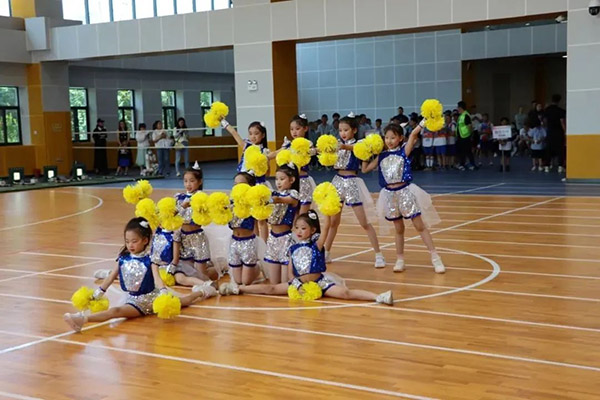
(502,132)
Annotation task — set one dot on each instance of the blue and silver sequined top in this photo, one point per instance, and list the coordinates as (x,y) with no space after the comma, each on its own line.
(346,159)
(394,167)
(284,214)
(307,258)
(135,274)
(186,213)
(162,247)
(246,223)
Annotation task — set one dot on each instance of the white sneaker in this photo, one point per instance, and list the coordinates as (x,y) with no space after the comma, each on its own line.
(178,174)
(75,321)
(328,257)
(561,170)
(379,261)
(385,298)
(533,168)
(101,273)
(438,265)
(229,288)
(540,168)
(399,267)
(207,290)
(547,169)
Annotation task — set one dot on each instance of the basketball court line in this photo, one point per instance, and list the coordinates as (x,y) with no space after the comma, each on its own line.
(498,222)
(18,396)
(54,270)
(503,208)
(33,253)
(100,202)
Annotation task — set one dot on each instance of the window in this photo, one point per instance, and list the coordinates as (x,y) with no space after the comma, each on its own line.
(10,118)
(122,10)
(220,4)
(5,8)
(185,6)
(206,100)
(203,5)
(80,121)
(169,110)
(165,7)
(126,104)
(144,9)
(99,11)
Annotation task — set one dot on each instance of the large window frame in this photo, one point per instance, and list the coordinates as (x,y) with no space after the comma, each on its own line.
(76,115)
(196,7)
(124,110)
(9,7)
(207,97)
(169,109)
(9,109)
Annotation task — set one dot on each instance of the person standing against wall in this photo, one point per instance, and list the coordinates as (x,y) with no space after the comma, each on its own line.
(464,132)
(143,142)
(163,144)
(555,119)
(99,136)
(182,139)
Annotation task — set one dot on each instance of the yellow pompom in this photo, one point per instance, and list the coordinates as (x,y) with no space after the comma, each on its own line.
(166,306)
(199,204)
(132,194)
(432,109)
(218,208)
(362,151)
(147,209)
(435,125)
(375,143)
(99,305)
(327,199)
(262,212)
(242,211)
(311,291)
(219,109)
(212,120)
(167,207)
(300,160)
(327,159)
(258,195)
(301,145)
(241,206)
(82,297)
(283,157)
(172,223)
(293,293)
(256,161)
(145,188)
(167,278)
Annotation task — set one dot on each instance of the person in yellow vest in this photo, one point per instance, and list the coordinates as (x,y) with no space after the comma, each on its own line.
(464,131)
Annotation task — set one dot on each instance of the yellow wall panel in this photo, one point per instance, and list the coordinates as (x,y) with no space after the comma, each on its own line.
(583,161)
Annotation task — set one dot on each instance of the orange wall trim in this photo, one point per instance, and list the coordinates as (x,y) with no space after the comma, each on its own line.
(583,161)
(17,156)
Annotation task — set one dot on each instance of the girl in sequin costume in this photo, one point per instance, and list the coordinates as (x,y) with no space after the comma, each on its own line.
(299,128)
(351,188)
(243,252)
(399,199)
(138,276)
(286,200)
(307,264)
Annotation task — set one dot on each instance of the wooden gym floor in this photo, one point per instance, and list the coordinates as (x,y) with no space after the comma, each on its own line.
(517,315)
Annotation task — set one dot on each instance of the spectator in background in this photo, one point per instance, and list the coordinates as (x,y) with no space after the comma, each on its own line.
(363,127)
(450,127)
(505,147)
(417,153)
(537,137)
(142,136)
(163,144)
(124,157)
(324,128)
(520,119)
(99,136)
(485,140)
(336,117)
(533,117)
(464,132)
(439,147)
(555,119)
(401,117)
(476,125)
(378,127)
(335,128)
(182,139)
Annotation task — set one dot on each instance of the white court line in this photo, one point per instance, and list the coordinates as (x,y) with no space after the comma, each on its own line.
(505,207)
(18,396)
(398,343)
(33,253)
(223,366)
(100,202)
(510,202)
(498,222)
(55,270)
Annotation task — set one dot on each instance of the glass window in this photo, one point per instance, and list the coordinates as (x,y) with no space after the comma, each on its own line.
(74,10)
(79,115)
(10,118)
(203,5)
(126,106)
(169,108)
(165,7)
(185,6)
(122,10)
(99,11)
(5,8)
(206,99)
(144,9)
(220,4)
(168,98)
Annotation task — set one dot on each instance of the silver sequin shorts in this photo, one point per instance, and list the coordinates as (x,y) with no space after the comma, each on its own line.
(278,245)
(307,186)
(143,302)
(243,252)
(194,246)
(347,188)
(400,203)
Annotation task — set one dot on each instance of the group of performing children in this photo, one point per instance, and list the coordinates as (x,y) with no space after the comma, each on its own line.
(298,240)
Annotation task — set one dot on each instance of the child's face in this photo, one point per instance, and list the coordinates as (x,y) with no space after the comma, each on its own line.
(302,230)
(378,123)
(392,140)
(346,131)
(297,130)
(255,136)
(134,242)
(190,182)
(283,181)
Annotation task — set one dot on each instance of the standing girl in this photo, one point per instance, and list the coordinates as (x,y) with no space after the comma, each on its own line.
(124,158)
(286,200)
(486,146)
(352,189)
(182,139)
(308,265)
(427,144)
(537,136)
(398,198)
(162,142)
(439,145)
(143,142)
(138,276)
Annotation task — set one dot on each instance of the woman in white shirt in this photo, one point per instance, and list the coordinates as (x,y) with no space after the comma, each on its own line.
(163,144)
(142,137)
(181,138)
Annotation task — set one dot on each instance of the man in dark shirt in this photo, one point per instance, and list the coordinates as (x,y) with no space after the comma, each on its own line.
(99,136)
(401,117)
(556,127)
